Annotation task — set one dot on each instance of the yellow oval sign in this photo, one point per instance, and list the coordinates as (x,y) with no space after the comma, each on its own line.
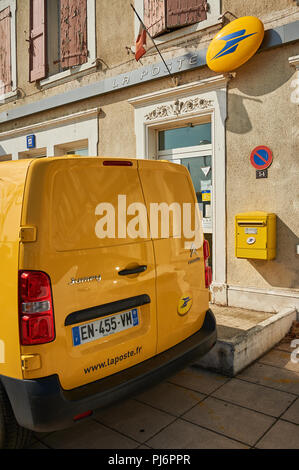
(185,303)
(235,44)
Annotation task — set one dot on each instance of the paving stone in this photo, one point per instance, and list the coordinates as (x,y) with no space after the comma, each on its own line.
(282,435)
(285,345)
(281,359)
(41,435)
(136,420)
(38,445)
(171,398)
(240,318)
(183,435)
(292,414)
(268,387)
(197,379)
(89,435)
(255,397)
(280,379)
(231,420)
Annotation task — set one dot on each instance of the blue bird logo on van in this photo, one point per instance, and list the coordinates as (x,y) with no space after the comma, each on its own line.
(184,305)
(232,42)
(186,300)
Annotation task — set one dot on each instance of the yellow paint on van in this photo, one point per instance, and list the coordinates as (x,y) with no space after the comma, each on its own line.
(12,182)
(235,44)
(48,215)
(59,200)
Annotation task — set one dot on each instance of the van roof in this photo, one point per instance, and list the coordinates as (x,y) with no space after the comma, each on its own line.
(25,163)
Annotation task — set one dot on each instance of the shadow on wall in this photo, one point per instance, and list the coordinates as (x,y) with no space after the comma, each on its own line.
(266,74)
(258,78)
(240,122)
(284,270)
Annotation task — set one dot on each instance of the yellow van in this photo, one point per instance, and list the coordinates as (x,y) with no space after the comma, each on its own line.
(95,302)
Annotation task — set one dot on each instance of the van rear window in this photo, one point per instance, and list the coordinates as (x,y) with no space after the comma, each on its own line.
(80,193)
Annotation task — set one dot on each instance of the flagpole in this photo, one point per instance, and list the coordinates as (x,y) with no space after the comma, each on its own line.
(167,68)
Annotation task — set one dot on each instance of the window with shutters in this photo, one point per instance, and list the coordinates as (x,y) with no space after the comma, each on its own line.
(62,37)
(73,32)
(169,19)
(7,50)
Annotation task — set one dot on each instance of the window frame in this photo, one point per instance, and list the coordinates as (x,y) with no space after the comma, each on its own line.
(79,127)
(13,50)
(71,147)
(212,20)
(5,158)
(180,150)
(91,47)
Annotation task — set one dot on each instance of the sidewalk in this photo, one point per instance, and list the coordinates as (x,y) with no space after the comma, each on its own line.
(244,336)
(198,409)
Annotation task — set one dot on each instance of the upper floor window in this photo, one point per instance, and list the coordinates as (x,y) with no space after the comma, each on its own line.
(59,36)
(169,19)
(7,49)
(161,16)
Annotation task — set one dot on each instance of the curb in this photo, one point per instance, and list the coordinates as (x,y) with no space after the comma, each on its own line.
(231,356)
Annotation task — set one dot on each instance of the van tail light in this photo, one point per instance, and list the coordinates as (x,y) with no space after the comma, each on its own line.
(82,415)
(208,269)
(36,315)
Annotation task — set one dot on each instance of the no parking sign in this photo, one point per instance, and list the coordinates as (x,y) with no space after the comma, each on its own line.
(261,158)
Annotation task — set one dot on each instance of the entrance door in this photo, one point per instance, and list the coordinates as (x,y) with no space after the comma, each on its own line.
(191,146)
(200,169)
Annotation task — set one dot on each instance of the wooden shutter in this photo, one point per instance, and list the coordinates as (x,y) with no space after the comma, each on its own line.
(38,37)
(185,12)
(73,32)
(5,51)
(155,17)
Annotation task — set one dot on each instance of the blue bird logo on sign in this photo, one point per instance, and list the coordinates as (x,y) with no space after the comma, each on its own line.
(235,44)
(232,43)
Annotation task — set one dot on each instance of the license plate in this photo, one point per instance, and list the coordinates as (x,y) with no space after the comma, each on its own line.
(105,327)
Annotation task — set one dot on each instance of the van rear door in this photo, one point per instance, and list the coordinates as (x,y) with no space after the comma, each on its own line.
(103,289)
(182,298)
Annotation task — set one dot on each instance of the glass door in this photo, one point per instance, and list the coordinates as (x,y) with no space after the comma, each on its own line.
(200,169)
(191,146)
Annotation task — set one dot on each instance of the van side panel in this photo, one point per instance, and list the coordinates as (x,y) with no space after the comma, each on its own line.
(12,179)
(182,299)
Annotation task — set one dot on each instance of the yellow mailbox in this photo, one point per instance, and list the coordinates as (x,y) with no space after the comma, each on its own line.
(255,235)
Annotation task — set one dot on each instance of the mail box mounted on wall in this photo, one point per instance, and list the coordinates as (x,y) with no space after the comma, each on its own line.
(255,235)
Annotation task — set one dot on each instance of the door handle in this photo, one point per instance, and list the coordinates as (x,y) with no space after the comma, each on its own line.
(137,270)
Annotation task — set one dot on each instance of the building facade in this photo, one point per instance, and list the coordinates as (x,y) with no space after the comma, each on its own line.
(70,84)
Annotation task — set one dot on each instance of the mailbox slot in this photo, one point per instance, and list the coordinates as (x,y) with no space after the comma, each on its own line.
(251,224)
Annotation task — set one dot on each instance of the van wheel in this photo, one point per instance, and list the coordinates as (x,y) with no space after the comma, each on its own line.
(12,435)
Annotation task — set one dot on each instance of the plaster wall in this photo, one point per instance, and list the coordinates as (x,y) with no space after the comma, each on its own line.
(257,7)
(115,32)
(261,111)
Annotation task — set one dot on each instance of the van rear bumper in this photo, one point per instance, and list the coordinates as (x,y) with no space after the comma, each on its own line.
(43,406)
